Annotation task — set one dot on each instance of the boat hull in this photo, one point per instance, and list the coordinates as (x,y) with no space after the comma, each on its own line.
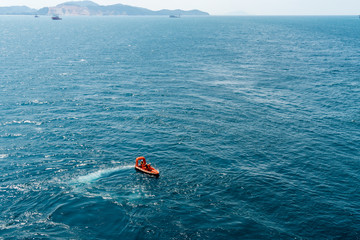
(145,168)
(153,172)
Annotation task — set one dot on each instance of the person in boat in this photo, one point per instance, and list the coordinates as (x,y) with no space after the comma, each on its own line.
(145,166)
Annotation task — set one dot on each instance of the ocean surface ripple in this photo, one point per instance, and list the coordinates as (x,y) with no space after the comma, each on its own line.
(253,122)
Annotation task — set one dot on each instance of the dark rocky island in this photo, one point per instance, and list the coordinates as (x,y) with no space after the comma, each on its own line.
(89,8)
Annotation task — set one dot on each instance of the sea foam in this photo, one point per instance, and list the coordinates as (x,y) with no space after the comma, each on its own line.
(91,177)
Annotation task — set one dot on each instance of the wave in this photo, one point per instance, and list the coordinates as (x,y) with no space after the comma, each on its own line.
(22,122)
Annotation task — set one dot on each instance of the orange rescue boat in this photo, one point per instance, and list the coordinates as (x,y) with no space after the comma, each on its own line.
(140,165)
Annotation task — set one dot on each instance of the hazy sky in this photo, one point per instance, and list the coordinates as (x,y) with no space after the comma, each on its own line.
(220,7)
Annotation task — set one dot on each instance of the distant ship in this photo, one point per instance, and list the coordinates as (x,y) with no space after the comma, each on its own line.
(36,16)
(56,18)
(174,16)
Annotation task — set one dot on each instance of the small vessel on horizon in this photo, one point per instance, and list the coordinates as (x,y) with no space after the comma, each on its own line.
(174,16)
(56,17)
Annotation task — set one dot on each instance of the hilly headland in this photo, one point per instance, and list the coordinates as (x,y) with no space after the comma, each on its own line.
(89,8)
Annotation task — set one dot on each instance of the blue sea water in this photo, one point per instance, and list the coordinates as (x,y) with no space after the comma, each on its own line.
(253,123)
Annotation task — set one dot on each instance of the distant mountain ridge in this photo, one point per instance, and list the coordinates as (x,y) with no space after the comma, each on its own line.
(16,10)
(89,8)
(80,4)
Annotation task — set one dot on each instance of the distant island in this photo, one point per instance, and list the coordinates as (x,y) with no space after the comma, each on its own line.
(89,8)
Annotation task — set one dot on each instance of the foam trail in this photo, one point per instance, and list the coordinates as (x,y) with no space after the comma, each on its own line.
(98,174)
